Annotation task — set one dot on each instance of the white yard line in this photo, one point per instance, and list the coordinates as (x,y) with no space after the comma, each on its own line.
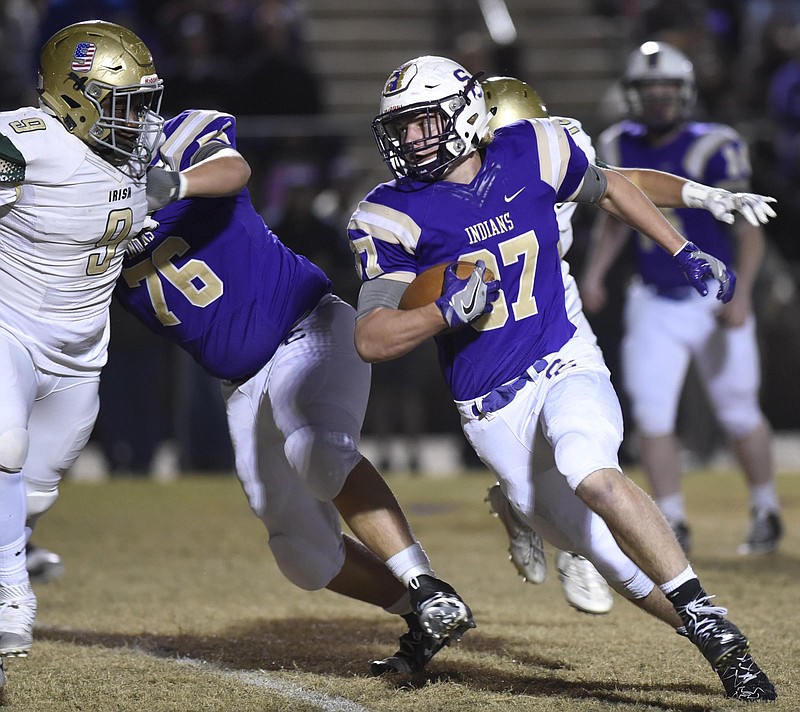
(271,681)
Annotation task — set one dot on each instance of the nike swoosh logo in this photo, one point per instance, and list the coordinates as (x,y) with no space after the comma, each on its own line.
(509,198)
(469,307)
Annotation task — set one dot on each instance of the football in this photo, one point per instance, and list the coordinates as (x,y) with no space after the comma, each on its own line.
(427,286)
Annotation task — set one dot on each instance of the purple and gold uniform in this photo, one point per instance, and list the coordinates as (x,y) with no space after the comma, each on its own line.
(713,154)
(534,397)
(667,324)
(206,248)
(215,280)
(505,217)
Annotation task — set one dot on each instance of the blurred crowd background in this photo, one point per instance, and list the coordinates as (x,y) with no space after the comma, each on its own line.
(304,78)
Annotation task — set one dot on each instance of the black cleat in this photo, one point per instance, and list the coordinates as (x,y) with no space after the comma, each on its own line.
(720,641)
(744,680)
(766,530)
(682,533)
(441,611)
(416,650)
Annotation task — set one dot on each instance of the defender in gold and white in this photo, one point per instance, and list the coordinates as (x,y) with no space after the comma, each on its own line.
(72,192)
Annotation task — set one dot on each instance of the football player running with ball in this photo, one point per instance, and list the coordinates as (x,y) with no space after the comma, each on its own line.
(512,100)
(72,188)
(535,397)
(214,279)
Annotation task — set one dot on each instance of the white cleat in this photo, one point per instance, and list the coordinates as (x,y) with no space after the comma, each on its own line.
(525,546)
(584,587)
(17,613)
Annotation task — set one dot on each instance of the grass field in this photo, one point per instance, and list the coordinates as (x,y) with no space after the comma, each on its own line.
(171,601)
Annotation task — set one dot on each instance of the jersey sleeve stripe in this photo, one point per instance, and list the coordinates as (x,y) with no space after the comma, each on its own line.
(191,127)
(554,152)
(702,150)
(386,224)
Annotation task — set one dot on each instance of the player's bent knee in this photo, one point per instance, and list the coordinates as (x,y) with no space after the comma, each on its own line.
(739,421)
(306,566)
(322,458)
(13,449)
(580,453)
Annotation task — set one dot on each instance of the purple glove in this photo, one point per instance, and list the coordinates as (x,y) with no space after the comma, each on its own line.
(464,300)
(698,266)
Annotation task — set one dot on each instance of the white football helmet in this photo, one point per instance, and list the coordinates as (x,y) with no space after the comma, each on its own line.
(99,80)
(450,102)
(657,63)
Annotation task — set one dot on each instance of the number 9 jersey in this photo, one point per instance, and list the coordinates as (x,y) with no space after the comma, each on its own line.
(65,218)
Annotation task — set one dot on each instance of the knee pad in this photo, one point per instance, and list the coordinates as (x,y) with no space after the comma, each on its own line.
(13,449)
(310,568)
(740,418)
(322,458)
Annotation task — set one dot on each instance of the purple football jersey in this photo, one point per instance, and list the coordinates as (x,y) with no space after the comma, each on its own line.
(215,279)
(713,154)
(505,217)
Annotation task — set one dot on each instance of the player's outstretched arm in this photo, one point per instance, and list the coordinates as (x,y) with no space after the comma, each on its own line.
(626,202)
(220,175)
(667,190)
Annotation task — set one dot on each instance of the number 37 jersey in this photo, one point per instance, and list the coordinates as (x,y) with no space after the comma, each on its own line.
(505,217)
(65,218)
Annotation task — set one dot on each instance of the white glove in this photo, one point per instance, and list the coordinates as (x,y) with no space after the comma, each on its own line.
(136,245)
(722,204)
(164,187)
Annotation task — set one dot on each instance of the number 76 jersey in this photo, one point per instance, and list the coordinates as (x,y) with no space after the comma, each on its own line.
(65,219)
(505,217)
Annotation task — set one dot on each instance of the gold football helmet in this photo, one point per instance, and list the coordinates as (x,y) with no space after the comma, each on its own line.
(512,100)
(99,80)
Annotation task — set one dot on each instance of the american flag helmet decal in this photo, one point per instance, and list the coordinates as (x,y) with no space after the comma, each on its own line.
(83,57)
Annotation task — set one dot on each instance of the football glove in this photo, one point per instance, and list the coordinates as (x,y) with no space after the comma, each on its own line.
(464,300)
(136,245)
(164,187)
(698,266)
(723,204)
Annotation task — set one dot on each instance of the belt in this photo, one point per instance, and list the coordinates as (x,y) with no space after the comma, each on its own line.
(501,396)
(678,293)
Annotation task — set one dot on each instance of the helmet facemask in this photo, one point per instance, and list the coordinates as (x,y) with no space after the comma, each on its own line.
(129,128)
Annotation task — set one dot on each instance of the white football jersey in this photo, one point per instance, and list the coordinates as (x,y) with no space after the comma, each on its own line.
(565,211)
(66,216)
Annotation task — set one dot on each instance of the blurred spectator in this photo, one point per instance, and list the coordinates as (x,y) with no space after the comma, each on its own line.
(196,69)
(273,76)
(302,231)
(19,34)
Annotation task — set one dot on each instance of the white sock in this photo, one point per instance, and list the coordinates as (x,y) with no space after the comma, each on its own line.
(684,576)
(765,497)
(409,563)
(12,563)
